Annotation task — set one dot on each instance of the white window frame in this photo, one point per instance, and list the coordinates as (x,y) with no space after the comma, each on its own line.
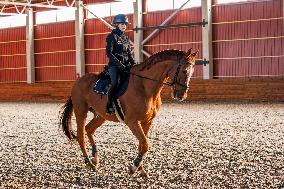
(67,14)
(230,1)
(153,5)
(52,16)
(13,21)
(190,4)
(110,9)
(45,17)
(101,10)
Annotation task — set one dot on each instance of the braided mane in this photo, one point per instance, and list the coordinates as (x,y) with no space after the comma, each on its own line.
(169,54)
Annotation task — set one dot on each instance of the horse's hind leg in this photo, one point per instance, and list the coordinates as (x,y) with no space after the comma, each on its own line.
(91,127)
(81,115)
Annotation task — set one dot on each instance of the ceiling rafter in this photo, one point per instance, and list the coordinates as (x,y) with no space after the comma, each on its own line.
(21,6)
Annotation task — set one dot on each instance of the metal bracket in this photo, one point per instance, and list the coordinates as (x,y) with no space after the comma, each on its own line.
(202,62)
(203,23)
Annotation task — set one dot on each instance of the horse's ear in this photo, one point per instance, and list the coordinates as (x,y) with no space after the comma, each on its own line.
(194,54)
(188,52)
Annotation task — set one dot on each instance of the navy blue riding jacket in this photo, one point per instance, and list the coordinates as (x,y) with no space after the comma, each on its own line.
(118,49)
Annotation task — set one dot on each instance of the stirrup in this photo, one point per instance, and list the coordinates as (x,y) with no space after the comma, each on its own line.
(110,110)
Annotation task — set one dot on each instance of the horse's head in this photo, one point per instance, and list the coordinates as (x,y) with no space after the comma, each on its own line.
(183,74)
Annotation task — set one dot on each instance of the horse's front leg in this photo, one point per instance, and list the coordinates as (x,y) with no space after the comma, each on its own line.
(137,130)
(146,126)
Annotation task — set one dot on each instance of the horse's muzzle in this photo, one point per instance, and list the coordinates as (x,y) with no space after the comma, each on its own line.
(179,95)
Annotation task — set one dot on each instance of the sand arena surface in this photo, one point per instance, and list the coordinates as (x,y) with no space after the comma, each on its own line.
(193,145)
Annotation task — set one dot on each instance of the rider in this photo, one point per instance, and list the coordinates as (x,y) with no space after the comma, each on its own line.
(119,53)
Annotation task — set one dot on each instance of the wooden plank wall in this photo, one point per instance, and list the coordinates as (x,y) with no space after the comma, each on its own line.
(200,90)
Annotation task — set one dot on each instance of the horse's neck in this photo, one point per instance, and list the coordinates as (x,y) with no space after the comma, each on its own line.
(158,75)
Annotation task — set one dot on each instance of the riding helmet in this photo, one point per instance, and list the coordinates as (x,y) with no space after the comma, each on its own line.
(120,18)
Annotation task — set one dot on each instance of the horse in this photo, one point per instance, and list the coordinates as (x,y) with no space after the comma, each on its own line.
(140,102)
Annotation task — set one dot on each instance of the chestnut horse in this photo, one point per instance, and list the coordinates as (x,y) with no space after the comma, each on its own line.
(140,103)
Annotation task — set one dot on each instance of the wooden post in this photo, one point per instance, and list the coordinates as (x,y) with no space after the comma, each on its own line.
(79,32)
(30,46)
(207,39)
(138,35)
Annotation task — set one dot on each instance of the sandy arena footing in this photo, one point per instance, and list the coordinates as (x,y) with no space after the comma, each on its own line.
(193,145)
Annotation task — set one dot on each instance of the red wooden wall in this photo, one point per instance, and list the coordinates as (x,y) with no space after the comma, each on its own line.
(55,55)
(176,38)
(13,55)
(248,41)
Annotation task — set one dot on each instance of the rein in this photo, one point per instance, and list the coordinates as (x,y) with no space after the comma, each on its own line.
(175,82)
(151,79)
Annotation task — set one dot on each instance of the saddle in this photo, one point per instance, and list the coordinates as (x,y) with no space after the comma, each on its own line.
(103,83)
(102,87)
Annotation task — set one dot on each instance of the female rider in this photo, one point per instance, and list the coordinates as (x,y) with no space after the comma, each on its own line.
(119,53)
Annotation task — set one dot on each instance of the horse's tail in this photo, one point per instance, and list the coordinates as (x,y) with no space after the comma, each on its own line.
(65,119)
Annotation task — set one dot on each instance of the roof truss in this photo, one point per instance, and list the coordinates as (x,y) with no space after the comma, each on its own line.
(20,7)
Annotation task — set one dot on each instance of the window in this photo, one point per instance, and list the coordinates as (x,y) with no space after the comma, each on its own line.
(45,17)
(65,14)
(229,1)
(111,9)
(156,5)
(101,10)
(13,21)
(124,7)
(4,22)
(55,16)
(191,3)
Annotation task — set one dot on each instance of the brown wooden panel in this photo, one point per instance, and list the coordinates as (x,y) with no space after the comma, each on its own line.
(200,90)
(49,91)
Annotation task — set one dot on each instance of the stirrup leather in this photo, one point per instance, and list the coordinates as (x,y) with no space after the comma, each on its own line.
(110,109)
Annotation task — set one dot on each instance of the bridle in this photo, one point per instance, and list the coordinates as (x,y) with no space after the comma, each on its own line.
(174,82)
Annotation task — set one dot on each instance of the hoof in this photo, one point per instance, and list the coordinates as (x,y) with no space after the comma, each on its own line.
(132,169)
(91,166)
(143,173)
(95,160)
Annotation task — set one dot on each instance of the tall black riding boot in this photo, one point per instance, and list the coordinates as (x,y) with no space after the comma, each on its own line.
(109,108)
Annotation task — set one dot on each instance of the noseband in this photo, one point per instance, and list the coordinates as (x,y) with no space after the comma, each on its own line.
(175,82)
